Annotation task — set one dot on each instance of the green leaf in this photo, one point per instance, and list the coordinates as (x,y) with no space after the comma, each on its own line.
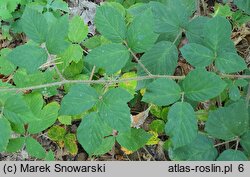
(35,102)
(244,5)
(245,142)
(16,109)
(74,70)
(105,146)
(223,10)
(162,92)
(170,19)
(50,156)
(79,99)
(7,7)
(95,41)
(28,57)
(232,155)
(197,55)
(34,148)
(234,93)
(5,133)
(6,67)
(22,79)
(200,85)
(34,25)
(130,86)
(228,62)
(133,139)
(111,57)
(58,31)
(77,30)
(65,120)
(71,143)
(92,132)
(56,133)
(240,18)
(157,126)
(195,28)
(241,83)
(44,118)
(140,35)
(15,144)
(182,124)
(113,109)
(110,23)
(217,33)
(201,149)
(228,122)
(59,5)
(161,59)
(73,53)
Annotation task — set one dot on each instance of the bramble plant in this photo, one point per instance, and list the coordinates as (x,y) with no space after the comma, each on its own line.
(133,58)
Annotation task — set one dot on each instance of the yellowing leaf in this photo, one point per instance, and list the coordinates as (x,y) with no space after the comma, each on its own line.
(126,151)
(70,143)
(130,86)
(154,139)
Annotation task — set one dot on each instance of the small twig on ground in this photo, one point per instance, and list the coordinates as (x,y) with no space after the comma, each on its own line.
(149,154)
(198,9)
(138,155)
(226,142)
(237,144)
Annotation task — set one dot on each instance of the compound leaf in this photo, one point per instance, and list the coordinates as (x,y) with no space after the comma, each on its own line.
(197,55)
(228,122)
(133,139)
(201,149)
(16,109)
(44,118)
(162,92)
(34,25)
(232,155)
(228,62)
(77,30)
(217,33)
(182,124)
(92,132)
(15,144)
(114,110)
(34,148)
(201,85)
(79,99)
(111,57)
(56,39)
(5,133)
(110,23)
(244,5)
(161,59)
(245,142)
(140,35)
(28,57)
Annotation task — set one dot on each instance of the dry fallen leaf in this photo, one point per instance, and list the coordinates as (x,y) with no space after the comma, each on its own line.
(139,119)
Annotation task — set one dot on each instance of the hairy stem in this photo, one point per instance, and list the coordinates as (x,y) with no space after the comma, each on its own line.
(101,81)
